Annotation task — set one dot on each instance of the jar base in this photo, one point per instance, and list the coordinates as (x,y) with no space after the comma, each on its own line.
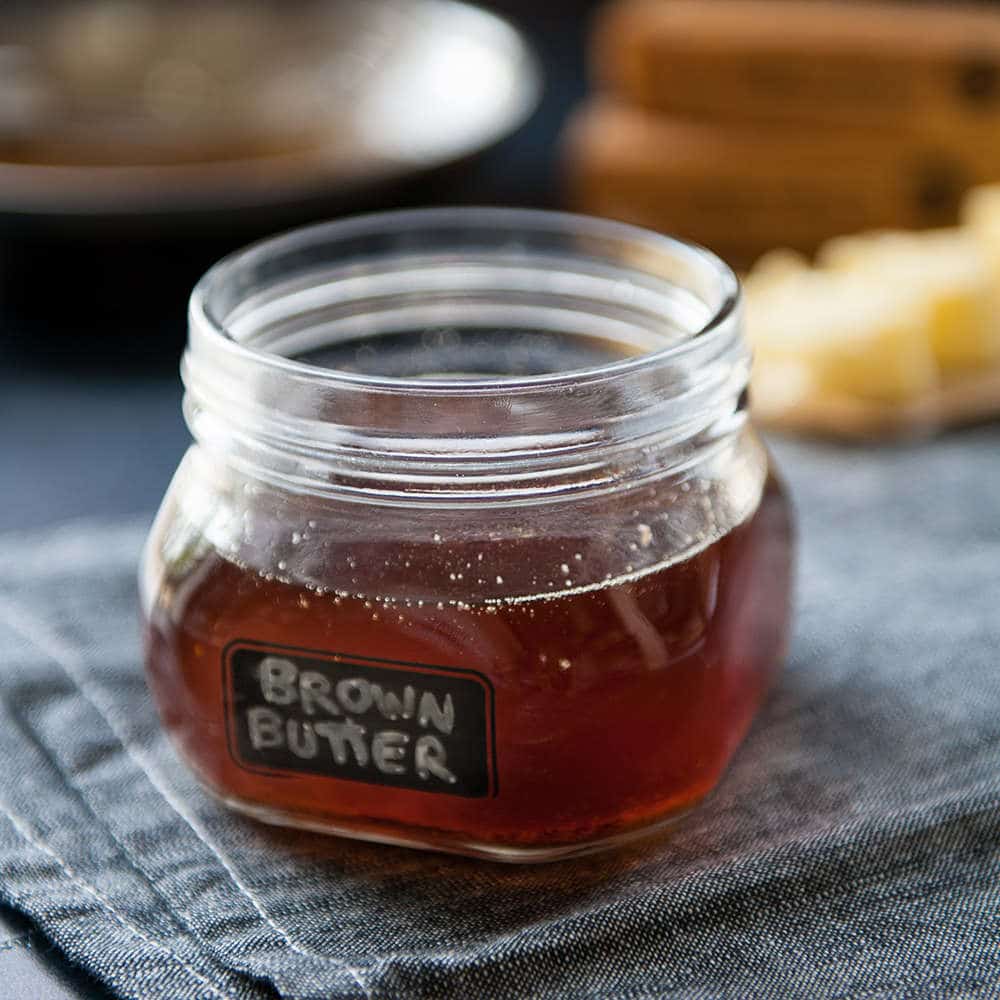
(442,842)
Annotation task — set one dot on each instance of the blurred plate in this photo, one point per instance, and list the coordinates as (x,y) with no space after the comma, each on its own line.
(126,107)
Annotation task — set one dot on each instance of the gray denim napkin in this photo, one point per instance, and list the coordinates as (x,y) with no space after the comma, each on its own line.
(853,850)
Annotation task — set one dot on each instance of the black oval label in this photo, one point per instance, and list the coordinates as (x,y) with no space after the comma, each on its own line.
(360,718)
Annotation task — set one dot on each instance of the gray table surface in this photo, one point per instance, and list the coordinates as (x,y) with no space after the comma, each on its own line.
(72,447)
(85,445)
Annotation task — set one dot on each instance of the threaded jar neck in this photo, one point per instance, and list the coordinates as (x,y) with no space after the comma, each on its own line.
(465,356)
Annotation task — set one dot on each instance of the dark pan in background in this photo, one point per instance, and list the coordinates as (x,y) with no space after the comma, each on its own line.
(140,141)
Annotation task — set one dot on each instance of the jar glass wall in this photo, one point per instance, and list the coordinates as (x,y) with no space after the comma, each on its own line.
(475,549)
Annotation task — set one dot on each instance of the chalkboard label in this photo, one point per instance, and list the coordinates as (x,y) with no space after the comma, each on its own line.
(358,718)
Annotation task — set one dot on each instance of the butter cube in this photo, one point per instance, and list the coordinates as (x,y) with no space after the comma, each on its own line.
(981,220)
(854,337)
(947,269)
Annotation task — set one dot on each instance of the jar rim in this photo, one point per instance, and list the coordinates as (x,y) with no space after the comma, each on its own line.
(318,428)
(516,220)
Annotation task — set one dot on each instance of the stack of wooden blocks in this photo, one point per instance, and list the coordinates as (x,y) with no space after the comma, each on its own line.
(750,124)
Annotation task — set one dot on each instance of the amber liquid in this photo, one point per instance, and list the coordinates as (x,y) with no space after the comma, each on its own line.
(614,708)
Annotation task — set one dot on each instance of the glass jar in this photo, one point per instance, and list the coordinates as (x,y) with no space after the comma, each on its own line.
(475,549)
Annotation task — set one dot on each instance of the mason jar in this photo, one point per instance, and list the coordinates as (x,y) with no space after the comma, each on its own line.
(475,548)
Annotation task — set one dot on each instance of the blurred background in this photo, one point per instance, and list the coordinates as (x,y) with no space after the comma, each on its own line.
(142,140)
